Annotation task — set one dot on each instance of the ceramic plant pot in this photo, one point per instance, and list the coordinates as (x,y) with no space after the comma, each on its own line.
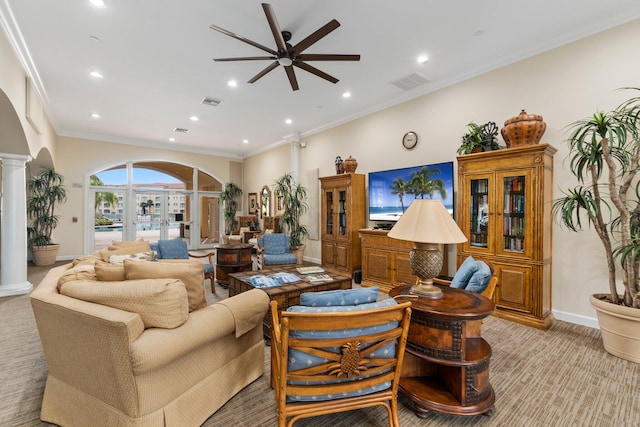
(524,129)
(619,327)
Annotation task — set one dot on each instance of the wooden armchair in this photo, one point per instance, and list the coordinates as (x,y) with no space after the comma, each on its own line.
(355,364)
(488,291)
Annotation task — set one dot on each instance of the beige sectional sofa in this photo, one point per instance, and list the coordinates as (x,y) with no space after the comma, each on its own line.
(132,353)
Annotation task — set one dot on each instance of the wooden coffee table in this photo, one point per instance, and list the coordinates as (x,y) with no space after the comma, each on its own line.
(288,294)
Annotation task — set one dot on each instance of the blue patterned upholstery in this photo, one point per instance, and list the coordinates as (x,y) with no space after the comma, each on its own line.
(480,279)
(173,249)
(464,273)
(274,249)
(339,297)
(301,360)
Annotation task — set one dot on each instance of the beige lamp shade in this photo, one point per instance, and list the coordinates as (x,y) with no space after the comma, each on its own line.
(427,221)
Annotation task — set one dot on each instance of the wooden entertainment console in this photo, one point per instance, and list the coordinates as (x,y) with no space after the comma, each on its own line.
(385,261)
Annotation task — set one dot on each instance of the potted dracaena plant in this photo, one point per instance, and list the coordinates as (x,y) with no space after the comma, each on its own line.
(605,158)
(229,197)
(46,191)
(294,203)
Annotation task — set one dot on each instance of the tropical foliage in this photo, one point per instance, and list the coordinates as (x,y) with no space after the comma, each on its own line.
(479,137)
(605,158)
(229,197)
(101,198)
(46,191)
(294,202)
(421,183)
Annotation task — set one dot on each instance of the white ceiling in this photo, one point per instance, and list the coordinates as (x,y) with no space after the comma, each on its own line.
(156,58)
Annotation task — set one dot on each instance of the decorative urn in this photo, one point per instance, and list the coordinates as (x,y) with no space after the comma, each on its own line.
(524,129)
(350,165)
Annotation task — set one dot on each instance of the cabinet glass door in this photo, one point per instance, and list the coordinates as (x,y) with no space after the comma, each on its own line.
(342,212)
(514,209)
(328,208)
(479,213)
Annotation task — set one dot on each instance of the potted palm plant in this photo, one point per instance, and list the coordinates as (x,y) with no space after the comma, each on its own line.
(229,197)
(46,191)
(294,202)
(605,158)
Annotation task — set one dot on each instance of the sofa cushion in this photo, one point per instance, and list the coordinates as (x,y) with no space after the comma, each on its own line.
(107,272)
(288,258)
(191,273)
(132,248)
(79,272)
(140,256)
(87,259)
(339,297)
(161,303)
(464,273)
(119,244)
(480,279)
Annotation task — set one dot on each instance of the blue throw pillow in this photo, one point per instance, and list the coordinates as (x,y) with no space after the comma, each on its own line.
(480,279)
(464,273)
(345,297)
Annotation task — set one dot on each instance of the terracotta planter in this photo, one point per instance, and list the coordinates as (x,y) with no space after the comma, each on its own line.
(524,129)
(45,255)
(619,327)
(299,251)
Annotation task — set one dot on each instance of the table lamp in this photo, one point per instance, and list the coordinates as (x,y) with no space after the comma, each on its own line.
(427,224)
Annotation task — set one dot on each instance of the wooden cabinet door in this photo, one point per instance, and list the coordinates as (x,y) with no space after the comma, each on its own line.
(514,290)
(402,274)
(376,266)
(328,253)
(328,228)
(342,255)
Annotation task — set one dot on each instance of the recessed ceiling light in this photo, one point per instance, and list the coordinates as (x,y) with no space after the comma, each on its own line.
(245,141)
(96,74)
(193,118)
(422,59)
(172,140)
(95,115)
(346,95)
(98,3)
(232,83)
(288,121)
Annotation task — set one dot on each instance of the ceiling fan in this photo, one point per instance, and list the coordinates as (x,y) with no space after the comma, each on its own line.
(287,55)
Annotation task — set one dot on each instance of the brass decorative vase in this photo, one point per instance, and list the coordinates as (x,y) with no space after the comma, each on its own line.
(350,165)
(524,129)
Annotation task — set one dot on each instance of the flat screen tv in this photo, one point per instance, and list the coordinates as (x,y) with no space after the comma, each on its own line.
(387,187)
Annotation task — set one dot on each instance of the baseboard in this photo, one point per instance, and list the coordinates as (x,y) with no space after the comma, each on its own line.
(590,322)
(312,260)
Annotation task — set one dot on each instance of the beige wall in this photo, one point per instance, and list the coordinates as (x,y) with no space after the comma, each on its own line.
(563,85)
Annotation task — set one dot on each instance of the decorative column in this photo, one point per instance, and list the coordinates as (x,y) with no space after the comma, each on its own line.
(13,226)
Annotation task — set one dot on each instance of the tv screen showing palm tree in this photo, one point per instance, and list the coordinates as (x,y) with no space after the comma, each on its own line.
(392,191)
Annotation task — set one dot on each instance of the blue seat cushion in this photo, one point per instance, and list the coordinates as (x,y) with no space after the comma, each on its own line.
(208,268)
(271,259)
(275,243)
(480,279)
(172,249)
(299,359)
(464,273)
(339,297)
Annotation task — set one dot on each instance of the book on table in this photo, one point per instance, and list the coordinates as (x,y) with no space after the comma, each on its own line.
(319,277)
(310,269)
(275,279)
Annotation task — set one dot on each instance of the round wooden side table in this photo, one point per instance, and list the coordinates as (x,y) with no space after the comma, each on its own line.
(446,364)
(232,258)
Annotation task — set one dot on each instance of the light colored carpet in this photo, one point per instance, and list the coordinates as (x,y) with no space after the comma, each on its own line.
(561,377)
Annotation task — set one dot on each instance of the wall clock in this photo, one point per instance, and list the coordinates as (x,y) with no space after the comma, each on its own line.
(410,140)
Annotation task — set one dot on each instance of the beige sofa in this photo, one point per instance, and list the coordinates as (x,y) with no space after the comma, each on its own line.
(108,367)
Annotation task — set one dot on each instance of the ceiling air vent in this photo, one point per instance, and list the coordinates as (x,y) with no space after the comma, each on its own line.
(181,130)
(412,81)
(211,101)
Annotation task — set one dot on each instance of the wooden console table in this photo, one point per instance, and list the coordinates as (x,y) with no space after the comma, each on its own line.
(446,364)
(232,258)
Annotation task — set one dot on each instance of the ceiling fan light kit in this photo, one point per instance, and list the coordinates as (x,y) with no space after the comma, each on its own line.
(287,55)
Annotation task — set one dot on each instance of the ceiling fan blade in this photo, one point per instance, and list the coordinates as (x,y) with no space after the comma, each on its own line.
(314,70)
(292,77)
(275,27)
(314,37)
(327,57)
(263,72)
(242,39)
(245,58)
